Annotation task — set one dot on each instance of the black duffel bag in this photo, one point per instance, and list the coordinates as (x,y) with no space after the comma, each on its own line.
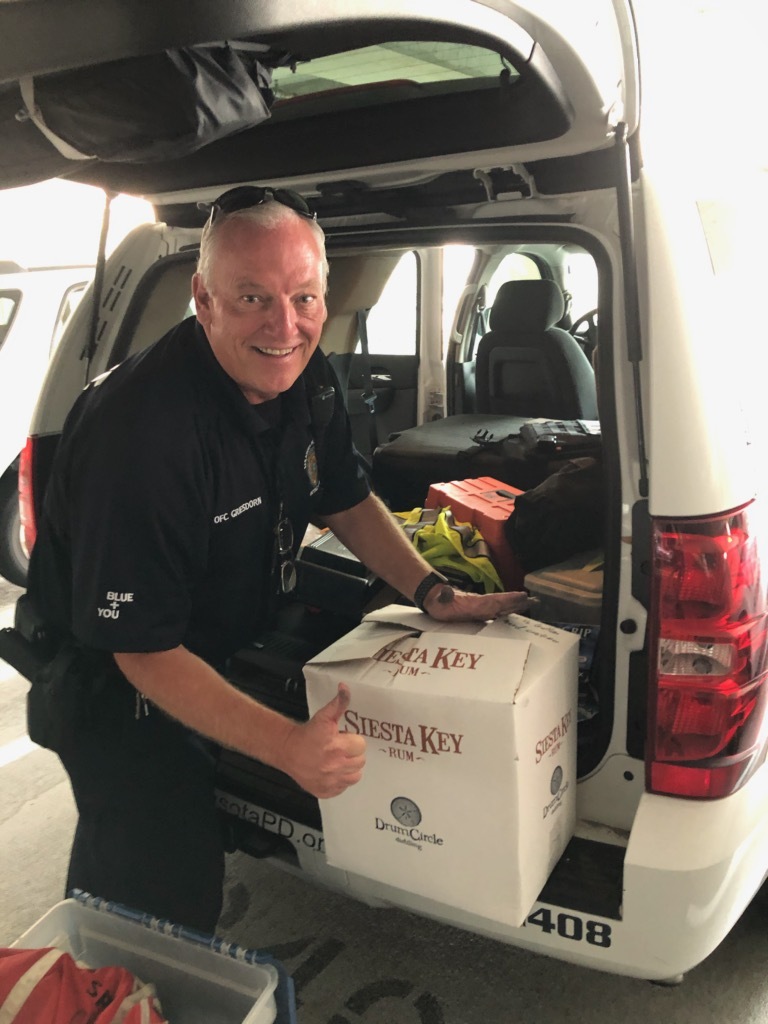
(560,518)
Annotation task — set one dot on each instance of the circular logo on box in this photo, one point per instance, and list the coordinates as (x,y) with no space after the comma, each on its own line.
(556,781)
(405,811)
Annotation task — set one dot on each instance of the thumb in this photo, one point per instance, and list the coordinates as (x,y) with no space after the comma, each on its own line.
(336,707)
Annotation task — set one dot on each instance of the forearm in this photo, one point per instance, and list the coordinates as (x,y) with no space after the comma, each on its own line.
(315,754)
(370,533)
(368,530)
(189,690)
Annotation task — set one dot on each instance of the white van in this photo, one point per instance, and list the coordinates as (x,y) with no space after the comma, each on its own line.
(35,306)
(478,170)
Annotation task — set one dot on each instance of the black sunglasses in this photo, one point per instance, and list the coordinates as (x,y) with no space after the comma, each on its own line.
(245,196)
(284,546)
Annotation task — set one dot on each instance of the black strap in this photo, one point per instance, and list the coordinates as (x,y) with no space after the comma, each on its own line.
(369,395)
(478,309)
(320,395)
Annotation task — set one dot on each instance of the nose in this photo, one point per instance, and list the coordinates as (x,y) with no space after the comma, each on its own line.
(281,321)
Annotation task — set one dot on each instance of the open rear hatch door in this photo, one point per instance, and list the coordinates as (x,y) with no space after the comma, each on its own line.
(212,94)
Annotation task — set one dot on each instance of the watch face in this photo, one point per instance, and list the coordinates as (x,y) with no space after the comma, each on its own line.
(405,811)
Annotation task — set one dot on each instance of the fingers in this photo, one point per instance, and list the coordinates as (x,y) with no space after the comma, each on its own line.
(335,788)
(492,606)
(344,764)
(480,606)
(326,761)
(351,744)
(347,758)
(344,772)
(513,601)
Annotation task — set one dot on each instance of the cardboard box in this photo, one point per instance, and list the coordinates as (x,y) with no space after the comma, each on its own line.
(570,591)
(487,504)
(468,794)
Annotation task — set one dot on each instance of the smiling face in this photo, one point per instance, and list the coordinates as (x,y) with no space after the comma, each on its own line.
(262,302)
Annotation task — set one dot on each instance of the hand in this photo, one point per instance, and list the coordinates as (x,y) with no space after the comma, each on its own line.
(461,606)
(321,759)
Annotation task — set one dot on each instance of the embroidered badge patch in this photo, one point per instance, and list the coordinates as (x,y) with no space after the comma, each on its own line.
(310,467)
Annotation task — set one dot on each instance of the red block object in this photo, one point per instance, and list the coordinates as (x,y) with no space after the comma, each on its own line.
(486,503)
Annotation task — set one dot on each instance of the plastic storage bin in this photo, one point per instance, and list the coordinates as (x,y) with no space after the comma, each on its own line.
(570,591)
(486,503)
(199,979)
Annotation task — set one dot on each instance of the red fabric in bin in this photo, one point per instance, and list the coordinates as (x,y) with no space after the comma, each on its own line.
(486,503)
(46,986)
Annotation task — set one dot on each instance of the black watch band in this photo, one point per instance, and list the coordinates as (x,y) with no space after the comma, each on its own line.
(430,580)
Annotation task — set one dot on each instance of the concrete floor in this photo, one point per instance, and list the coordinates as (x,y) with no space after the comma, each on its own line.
(352,964)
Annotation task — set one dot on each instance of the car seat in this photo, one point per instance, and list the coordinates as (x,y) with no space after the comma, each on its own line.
(526,369)
(526,366)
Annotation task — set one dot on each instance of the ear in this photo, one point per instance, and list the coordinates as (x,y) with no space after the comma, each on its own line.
(202,298)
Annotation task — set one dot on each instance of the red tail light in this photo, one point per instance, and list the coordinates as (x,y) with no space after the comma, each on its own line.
(709,656)
(26,496)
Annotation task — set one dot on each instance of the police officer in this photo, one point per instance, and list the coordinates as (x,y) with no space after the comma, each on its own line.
(182,487)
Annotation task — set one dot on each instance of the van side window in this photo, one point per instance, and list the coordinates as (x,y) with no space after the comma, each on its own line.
(69,304)
(9,301)
(458,261)
(581,283)
(392,322)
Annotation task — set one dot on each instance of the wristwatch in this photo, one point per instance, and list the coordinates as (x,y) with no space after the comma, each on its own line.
(432,579)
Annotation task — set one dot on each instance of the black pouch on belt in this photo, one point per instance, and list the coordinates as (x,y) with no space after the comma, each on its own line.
(75,693)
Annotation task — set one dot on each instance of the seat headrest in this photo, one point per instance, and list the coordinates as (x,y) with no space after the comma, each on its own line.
(526,306)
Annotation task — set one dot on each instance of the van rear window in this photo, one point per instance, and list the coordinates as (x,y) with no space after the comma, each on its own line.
(415,62)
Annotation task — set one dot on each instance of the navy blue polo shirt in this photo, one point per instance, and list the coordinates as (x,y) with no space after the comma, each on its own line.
(158,523)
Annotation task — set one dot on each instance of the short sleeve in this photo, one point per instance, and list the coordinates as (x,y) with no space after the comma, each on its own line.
(138,538)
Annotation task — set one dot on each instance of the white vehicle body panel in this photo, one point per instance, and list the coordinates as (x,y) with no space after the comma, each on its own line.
(689,869)
(67,377)
(26,350)
(698,445)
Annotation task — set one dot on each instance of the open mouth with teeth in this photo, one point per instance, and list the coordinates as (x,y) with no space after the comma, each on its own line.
(279,353)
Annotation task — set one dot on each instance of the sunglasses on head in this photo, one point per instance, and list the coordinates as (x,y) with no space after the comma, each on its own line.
(246,196)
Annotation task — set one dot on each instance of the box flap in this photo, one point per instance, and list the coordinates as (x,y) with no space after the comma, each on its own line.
(363,642)
(439,663)
(412,618)
(520,627)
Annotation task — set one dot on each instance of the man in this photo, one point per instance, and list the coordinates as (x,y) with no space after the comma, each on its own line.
(182,487)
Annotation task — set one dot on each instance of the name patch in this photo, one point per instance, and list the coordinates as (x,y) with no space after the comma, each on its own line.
(224,517)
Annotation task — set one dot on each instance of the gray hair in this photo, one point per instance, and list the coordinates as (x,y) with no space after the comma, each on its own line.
(268,214)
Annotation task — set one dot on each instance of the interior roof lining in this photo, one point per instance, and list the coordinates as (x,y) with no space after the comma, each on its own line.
(94,33)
